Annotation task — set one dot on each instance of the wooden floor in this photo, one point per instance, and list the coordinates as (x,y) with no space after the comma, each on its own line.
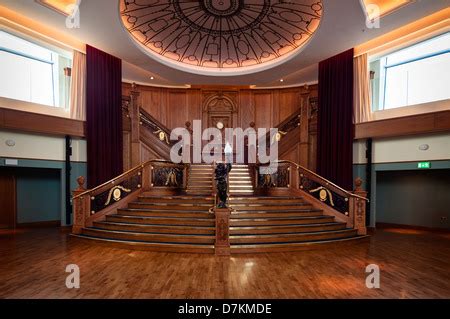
(414,264)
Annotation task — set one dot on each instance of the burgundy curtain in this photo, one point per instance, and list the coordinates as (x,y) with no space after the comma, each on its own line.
(103,116)
(335,120)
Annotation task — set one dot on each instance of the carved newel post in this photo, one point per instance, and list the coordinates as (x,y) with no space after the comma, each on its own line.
(358,208)
(222,211)
(81,206)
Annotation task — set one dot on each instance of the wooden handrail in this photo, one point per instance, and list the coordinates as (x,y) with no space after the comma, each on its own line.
(326,181)
(149,121)
(286,125)
(346,206)
(214,187)
(121,176)
(94,204)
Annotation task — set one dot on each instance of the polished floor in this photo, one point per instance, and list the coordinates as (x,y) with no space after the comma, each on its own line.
(413,263)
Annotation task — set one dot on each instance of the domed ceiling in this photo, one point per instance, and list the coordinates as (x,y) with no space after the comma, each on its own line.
(221,36)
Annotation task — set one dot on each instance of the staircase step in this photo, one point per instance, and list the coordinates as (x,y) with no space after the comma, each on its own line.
(172,206)
(170,197)
(242,200)
(282,214)
(201,173)
(149,237)
(194,180)
(165,213)
(293,237)
(241,190)
(160,220)
(198,192)
(162,229)
(164,247)
(285,247)
(283,229)
(173,200)
(280,198)
(195,186)
(239,182)
(272,207)
(233,186)
(235,222)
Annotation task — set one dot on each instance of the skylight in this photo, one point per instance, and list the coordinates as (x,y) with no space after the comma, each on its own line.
(379,8)
(65,7)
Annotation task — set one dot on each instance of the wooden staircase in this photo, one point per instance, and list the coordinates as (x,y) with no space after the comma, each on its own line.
(184,223)
(240,180)
(200,180)
(169,223)
(281,223)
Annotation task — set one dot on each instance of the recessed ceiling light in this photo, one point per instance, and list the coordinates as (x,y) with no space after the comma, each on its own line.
(65,7)
(378,8)
(152,78)
(281,80)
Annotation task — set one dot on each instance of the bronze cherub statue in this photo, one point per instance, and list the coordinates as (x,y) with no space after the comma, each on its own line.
(221,174)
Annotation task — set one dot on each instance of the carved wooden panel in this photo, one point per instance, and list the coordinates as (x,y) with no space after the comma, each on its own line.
(291,154)
(194,112)
(246,108)
(235,107)
(263,109)
(147,153)
(151,102)
(178,108)
(289,102)
(220,106)
(126,151)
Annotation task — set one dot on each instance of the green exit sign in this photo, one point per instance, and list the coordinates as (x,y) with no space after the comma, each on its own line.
(424,165)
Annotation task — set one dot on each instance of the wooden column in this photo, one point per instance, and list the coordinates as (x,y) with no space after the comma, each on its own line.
(81,207)
(135,119)
(294,181)
(222,244)
(147,172)
(358,208)
(304,129)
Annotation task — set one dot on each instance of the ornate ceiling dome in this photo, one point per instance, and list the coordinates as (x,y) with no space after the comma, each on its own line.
(221,36)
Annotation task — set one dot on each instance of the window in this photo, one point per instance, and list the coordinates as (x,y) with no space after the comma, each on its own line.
(32,73)
(414,75)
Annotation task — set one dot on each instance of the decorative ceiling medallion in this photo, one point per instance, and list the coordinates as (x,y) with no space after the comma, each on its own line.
(221,35)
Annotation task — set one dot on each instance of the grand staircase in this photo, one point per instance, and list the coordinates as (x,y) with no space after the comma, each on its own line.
(200,180)
(184,222)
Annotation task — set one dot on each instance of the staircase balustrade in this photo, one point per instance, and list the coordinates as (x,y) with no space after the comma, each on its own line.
(347,206)
(156,128)
(284,128)
(154,175)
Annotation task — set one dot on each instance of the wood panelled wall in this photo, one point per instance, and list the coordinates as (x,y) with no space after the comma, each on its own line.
(265,108)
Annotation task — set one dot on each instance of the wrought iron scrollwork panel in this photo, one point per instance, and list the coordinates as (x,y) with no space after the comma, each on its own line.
(167,177)
(324,194)
(162,134)
(291,124)
(280,178)
(115,193)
